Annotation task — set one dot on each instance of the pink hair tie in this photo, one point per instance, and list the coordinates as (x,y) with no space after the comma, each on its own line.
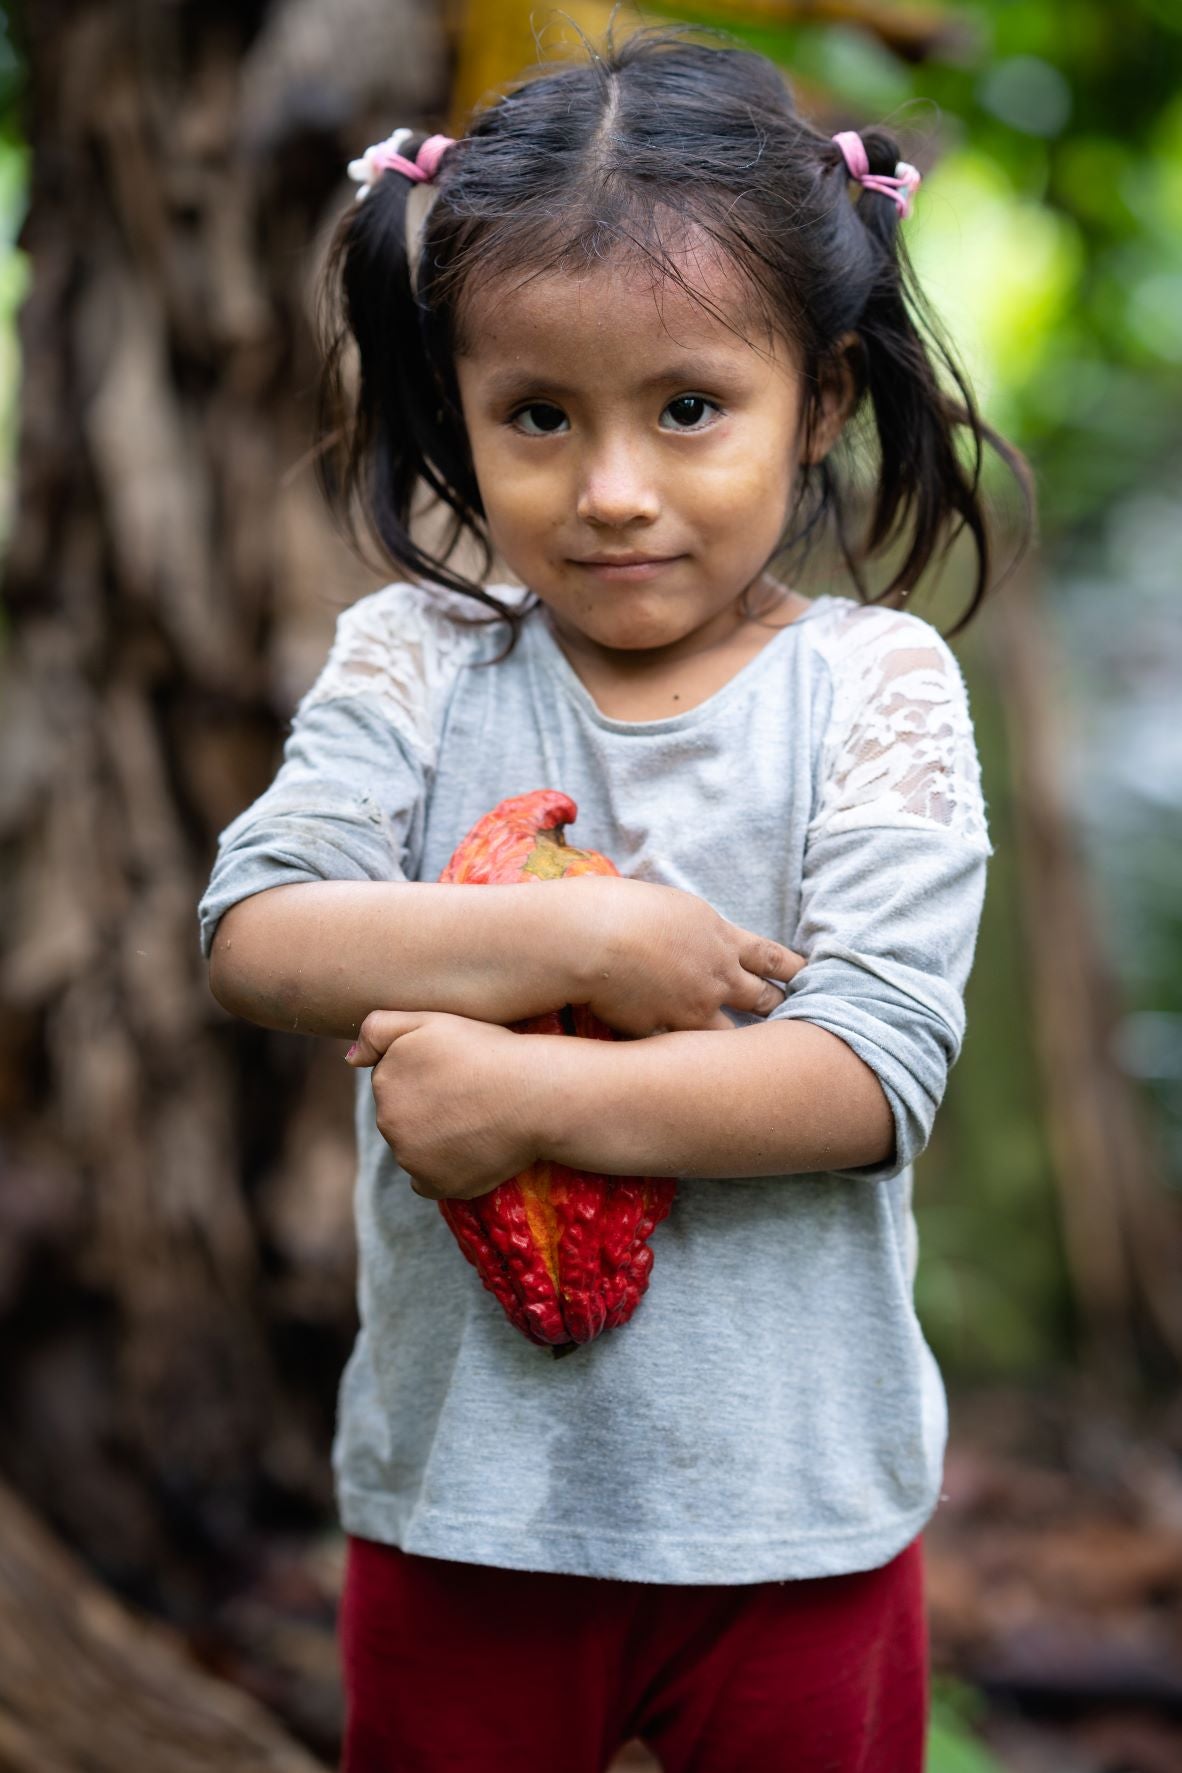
(899,187)
(384,157)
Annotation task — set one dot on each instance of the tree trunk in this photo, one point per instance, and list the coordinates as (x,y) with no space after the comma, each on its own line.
(177,1282)
(1122,1233)
(87,1687)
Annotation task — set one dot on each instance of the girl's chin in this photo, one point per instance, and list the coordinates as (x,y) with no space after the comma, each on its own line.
(632,631)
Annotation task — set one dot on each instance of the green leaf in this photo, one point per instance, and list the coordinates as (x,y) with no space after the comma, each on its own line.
(952,1745)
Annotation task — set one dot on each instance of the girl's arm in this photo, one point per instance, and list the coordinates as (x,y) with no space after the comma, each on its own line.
(774,1099)
(317,956)
(785,1098)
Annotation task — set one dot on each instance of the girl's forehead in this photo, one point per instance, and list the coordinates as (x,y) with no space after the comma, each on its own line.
(616,304)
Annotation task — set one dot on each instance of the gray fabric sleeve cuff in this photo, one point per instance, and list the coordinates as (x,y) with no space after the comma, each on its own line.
(888,927)
(868,1029)
(345,804)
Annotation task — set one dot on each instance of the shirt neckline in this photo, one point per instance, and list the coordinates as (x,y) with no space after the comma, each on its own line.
(537,635)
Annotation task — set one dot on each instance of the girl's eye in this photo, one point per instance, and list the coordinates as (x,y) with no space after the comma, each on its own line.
(544,420)
(688,411)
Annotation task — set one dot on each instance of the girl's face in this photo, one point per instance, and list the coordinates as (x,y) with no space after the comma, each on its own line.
(635,456)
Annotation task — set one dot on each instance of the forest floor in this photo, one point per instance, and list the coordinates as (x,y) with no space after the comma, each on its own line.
(1054,1569)
(1054,1572)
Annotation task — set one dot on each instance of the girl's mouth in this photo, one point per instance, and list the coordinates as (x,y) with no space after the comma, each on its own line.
(627,566)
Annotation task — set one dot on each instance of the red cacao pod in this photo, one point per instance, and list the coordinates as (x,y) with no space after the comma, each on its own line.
(564,1251)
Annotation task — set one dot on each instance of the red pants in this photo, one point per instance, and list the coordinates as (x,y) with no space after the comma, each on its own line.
(461,1668)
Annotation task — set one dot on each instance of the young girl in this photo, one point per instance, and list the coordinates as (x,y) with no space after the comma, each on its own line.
(618,329)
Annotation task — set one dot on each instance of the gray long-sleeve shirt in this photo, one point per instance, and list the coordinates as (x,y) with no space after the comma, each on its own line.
(771,1410)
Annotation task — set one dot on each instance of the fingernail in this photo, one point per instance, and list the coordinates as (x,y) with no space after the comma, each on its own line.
(351,1051)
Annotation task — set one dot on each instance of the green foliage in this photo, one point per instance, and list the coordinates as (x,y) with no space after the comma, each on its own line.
(952,1745)
(14,277)
(12,79)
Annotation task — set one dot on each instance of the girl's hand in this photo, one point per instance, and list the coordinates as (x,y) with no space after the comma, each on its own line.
(452,1098)
(658,958)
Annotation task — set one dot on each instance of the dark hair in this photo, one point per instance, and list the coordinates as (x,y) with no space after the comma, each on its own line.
(585,160)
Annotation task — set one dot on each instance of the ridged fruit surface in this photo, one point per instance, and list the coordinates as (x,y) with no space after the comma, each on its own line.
(564,1251)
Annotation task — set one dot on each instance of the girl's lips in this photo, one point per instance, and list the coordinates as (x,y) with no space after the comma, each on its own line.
(628,569)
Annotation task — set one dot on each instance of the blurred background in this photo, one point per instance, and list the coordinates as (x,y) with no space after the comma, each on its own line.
(176,1264)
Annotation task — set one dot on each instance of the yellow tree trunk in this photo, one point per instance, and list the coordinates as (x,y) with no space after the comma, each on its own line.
(496,40)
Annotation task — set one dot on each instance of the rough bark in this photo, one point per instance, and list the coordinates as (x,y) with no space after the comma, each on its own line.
(87,1686)
(177,1274)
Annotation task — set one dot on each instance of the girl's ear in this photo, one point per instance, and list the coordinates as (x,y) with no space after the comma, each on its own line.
(840,388)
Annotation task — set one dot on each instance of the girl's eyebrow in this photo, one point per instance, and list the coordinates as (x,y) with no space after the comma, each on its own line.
(506,384)
(510,382)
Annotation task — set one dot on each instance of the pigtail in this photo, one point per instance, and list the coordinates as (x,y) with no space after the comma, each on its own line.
(398,427)
(924,482)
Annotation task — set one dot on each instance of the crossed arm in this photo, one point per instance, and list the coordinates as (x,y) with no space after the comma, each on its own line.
(464,1102)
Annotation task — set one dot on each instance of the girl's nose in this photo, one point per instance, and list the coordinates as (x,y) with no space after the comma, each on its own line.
(615,489)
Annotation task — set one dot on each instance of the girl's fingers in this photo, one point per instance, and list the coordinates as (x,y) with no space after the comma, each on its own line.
(758,996)
(377,1034)
(768,959)
(763,961)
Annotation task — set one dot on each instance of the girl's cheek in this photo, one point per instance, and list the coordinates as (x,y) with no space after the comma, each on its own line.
(527,495)
(521,518)
(738,494)
(508,485)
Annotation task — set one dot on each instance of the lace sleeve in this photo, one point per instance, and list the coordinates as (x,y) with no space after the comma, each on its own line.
(399,651)
(346,802)
(900,749)
(893,880)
